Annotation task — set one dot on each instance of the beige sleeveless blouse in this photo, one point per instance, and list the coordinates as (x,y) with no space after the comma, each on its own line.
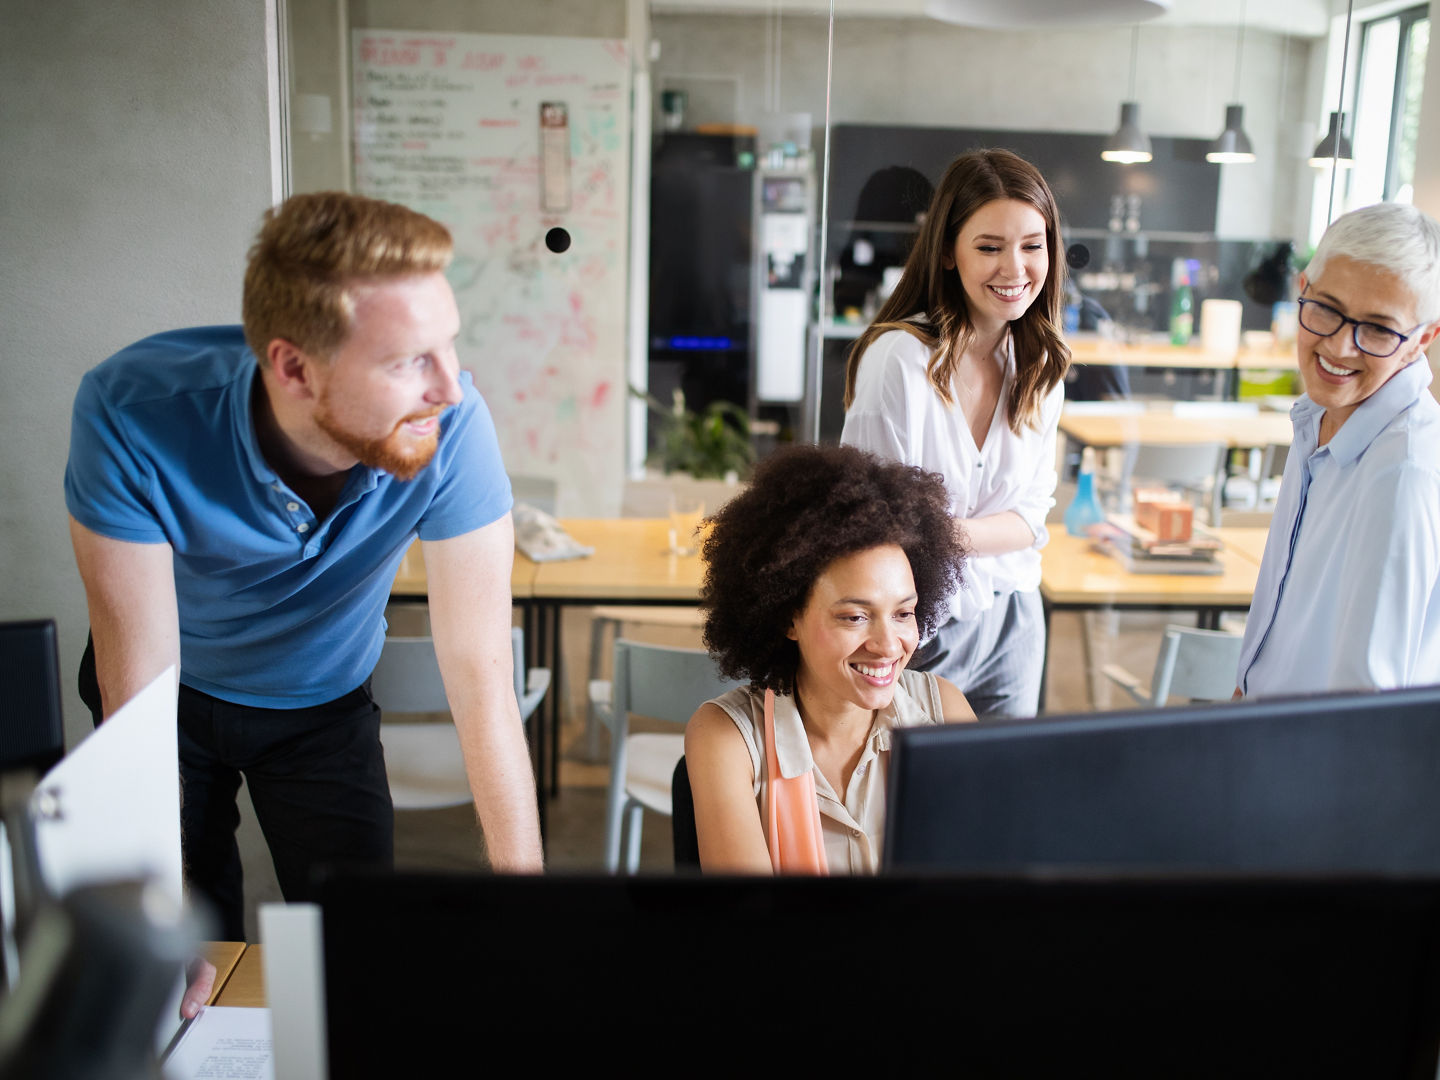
(853,825)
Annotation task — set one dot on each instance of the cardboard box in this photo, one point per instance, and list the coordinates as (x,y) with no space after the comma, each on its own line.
(1168,518)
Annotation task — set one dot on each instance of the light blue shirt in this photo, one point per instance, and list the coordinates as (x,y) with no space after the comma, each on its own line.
(1349,590)
(277,608)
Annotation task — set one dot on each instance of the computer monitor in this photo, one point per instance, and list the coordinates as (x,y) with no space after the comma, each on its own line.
(1334,783)
(32,735)
(999,976)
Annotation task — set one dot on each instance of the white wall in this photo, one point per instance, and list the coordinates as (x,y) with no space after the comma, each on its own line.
(136,165)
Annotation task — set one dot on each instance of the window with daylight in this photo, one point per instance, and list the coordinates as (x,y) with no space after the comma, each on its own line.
(1387,105)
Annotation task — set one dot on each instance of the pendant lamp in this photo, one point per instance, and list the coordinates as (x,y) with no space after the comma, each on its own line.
(1048,14)
(1233,145)
(1334,147)
(1129,145)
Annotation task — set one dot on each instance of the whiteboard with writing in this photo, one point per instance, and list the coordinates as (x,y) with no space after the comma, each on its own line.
(503,138)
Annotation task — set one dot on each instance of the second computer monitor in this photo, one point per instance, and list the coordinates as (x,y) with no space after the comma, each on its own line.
(1340,783)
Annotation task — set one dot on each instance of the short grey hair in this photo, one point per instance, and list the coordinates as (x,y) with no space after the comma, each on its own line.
(1393,237)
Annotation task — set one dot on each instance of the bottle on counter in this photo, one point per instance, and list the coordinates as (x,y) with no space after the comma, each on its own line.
(1182,304)
(1084,509)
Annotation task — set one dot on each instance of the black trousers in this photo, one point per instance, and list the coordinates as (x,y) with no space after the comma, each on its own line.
(316,778)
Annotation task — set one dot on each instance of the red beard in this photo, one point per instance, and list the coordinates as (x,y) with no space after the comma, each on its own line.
(400,454)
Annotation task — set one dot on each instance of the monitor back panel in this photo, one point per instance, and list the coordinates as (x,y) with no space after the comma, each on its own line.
(1330,784)
(975,977)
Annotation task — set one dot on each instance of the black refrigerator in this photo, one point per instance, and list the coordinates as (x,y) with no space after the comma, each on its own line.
(701,237)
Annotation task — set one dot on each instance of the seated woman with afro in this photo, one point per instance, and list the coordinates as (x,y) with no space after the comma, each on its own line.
(822,578)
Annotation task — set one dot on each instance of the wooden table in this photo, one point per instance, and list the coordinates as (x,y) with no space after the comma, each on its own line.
(410,581)
(1162,427)
(245,985)
(1076,577)
(1247,543)
(224,955)
(631,565)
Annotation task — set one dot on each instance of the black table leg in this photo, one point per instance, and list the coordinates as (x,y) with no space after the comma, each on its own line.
(535,615)
(557,613)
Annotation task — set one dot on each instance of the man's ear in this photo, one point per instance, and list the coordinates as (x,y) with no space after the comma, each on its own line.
(292,369)
(1301,282)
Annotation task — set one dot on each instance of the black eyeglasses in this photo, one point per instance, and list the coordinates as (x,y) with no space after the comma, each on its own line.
(1370,338)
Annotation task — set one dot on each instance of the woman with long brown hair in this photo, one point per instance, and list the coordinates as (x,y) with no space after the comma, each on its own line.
(962,373)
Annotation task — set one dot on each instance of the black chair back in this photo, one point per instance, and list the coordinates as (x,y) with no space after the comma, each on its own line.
(687,843)
(32,734)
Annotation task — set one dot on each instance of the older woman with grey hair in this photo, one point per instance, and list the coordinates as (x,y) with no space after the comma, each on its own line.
(1349,588)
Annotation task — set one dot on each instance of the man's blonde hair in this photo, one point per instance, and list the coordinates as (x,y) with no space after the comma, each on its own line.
(312,248)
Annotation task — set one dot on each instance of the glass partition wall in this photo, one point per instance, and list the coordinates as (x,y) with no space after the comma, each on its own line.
(634,192)
(1228,102)
(703,204)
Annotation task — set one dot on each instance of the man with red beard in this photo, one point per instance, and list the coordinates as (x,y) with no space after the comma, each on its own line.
(240,500)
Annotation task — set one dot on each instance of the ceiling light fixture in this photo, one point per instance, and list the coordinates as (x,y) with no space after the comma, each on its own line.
(1233,145)
(1129,145)
(1012,14)
(1334,148)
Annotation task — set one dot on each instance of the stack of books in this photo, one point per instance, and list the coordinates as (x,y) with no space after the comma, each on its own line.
(1142,552)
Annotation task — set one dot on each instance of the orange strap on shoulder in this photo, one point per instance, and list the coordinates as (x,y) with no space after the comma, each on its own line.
(792,812)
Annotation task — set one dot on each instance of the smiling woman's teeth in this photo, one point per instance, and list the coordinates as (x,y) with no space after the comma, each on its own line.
(873,672)
(1014,290)
(1332,369)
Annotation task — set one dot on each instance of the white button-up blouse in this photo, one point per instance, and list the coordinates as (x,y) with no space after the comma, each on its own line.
(898,415)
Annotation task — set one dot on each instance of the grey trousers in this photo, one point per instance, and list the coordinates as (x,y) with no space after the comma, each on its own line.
(995,660)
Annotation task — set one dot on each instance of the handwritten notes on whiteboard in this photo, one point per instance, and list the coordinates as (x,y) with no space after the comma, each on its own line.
(451,125)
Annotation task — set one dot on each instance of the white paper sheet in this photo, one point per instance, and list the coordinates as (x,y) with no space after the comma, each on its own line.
(224,1044)
(110,810)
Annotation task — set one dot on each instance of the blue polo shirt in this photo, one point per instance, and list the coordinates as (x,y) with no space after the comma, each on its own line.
(277,609)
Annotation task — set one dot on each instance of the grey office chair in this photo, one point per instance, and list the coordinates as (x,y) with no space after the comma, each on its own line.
(423,759)
(666,684)
(642,498)
(1195,664)
(32,735)
(606,621)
